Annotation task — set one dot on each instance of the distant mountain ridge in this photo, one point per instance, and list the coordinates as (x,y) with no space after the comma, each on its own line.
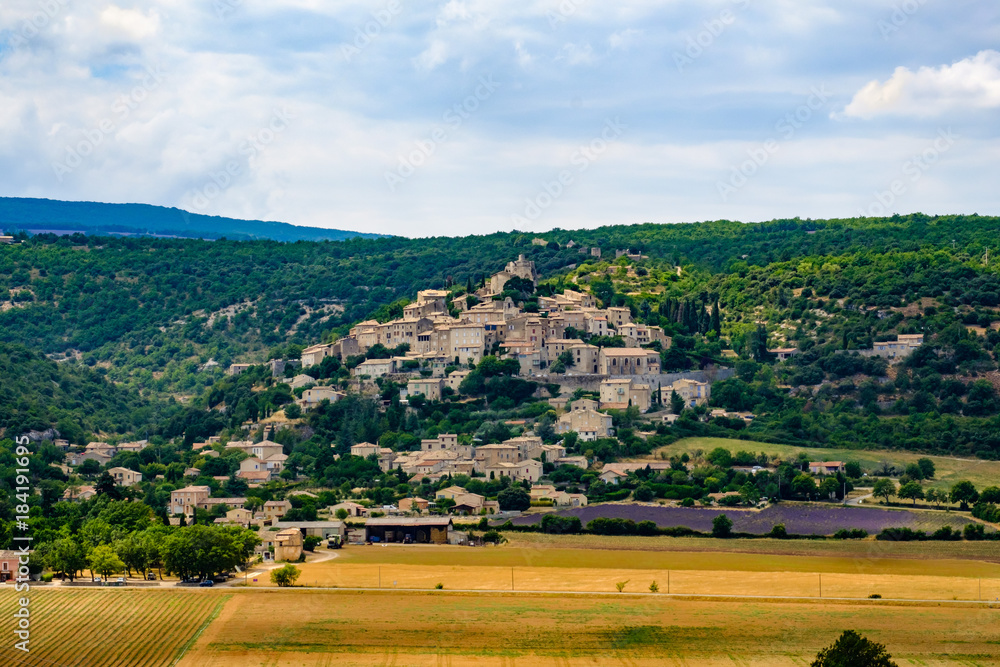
(41,215)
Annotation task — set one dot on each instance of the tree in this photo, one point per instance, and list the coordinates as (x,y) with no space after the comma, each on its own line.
(643,493)
(722,526)
(750,494)
(853,650)
(104,561)
(676,403)
(804,485)
(106,486)
(964,493)
(926,467)
(90,467)
(66,557)
(829,487)
(853,469)
(884,488)
(293,411)
(912,491)
(286,575)
(342,514)
(310,542)
(721,457)
(931,496)
(514,499)
(991,495)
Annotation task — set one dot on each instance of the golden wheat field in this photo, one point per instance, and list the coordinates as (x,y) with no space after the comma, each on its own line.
(246,627)
(526,569)
(305,628)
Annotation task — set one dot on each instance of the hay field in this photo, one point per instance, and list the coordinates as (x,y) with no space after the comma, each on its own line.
(514,568)
(86,627)
(947,470)
(312,628)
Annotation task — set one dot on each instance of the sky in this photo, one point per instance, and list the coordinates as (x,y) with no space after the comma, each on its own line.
(446,118)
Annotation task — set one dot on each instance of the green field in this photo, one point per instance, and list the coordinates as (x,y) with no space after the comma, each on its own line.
(948,470)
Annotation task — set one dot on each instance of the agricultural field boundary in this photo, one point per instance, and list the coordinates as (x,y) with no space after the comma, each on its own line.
(208,621)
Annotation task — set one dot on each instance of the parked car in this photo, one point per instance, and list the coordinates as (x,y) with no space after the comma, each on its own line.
(208,583)
(151,576)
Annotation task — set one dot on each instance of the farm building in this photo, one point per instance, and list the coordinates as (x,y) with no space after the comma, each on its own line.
(288,545)
(321,529)
(421,530)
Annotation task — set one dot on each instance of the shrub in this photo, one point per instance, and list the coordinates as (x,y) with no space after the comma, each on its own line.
(439,586)
(621,585)
(654,587)
(778,531)
(310,542)
(975,531)
(853,649)
(644,493)
(901,535)
(850,534)
(494,537)
(687,502)
(874,596)
(285,576)
(561,525)
(946,533)
(722,526)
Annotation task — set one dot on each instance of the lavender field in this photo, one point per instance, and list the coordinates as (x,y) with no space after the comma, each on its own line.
(798,519)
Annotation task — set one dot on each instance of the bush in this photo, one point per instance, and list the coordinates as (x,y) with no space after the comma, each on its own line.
(687,502)
(644,493)
(514,499)
(975,531)
(850,534)
(901,535)
(946,533)
(854,650)
(494,537)
(285,576)
(722,526)
(778,532)
(310,542)
(560,525)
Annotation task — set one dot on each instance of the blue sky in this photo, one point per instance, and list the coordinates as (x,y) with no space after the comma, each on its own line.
(467,116)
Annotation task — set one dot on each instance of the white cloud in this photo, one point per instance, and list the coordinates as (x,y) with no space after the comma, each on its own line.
(434,55)
(624,39)
(134,24)
(577,54)
(972,83)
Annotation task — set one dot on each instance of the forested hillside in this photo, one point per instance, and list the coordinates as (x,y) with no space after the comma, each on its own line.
(165,316)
